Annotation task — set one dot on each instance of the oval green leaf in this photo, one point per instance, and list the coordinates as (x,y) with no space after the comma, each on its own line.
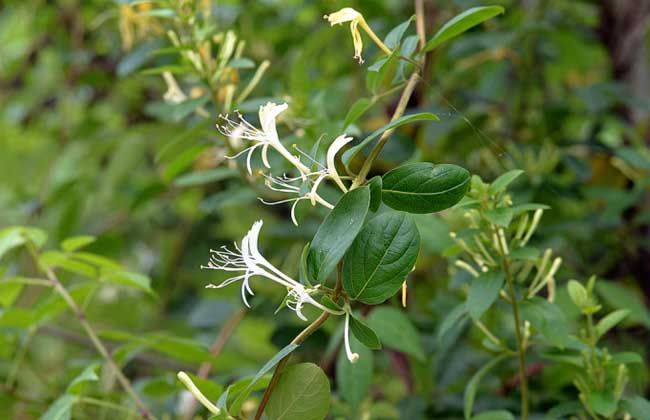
(336,233)
(364,334)
(483,291)
(424,187)
(301,393)
(461,23)
(380,258)
(396,331)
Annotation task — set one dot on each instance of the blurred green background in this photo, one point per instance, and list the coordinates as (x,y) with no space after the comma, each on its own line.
(89,146)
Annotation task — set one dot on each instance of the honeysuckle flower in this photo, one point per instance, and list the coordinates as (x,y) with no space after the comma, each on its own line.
(348,14)
(352,357)
(337,145)
(247,259)
(265,137)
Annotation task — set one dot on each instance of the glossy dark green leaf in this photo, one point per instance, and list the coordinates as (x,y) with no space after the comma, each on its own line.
(380,257)
(375,185)
(364,334)
(396,331)
(301,393)
(483,291)
(461,23)
(353,151)
(424,187)
(336,233)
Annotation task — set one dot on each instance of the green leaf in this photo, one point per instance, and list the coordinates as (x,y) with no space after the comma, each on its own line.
(603,402)
(472,385)
(637,406)
(526,253)
(127,278)
(563,410)
(548,319)
(578,294)
(627,357)
(494,415)
(364,334)
(500,217)
(396,331)
(61,409)
(89,374)
(453,317)
(329,303)
(380,257)
(610,321)
(503,181)
(620,297)
(406,119)
(301,393)
(235,408)
(394,37)
(336,233)
(375,186)
(77,242)
(10,238)
(353,380)
(424,187)
(461,23)
(483,291)
(356,111)
(9,291)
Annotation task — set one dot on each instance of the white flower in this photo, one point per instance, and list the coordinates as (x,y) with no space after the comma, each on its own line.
(337,145)
(356,19)
(264,138)
(247,259)
(348,14)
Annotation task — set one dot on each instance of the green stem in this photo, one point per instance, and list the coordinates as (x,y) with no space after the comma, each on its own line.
(309,330)
(521,350)
(399,111)
(106,404)
(99,346)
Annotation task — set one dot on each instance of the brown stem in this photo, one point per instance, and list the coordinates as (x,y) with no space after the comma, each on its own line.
(97,343)
(221,340)
(298,340)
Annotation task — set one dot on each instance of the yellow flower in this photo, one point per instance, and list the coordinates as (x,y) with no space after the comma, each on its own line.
(348,14)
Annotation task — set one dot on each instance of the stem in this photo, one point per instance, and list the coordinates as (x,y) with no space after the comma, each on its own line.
(99,346)
(106,404)
(521,350)
(311,328)
(399,111)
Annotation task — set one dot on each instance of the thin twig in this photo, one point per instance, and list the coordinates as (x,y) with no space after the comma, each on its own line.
(99,346)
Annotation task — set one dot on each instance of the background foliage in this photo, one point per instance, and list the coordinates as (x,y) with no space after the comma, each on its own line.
(557,88)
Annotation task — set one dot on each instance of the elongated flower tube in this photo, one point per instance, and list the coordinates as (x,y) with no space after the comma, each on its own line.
(348,14)
(194,390)
(247,260)
(352,357)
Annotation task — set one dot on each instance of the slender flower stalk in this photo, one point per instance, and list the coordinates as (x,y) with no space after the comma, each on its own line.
(247,259)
